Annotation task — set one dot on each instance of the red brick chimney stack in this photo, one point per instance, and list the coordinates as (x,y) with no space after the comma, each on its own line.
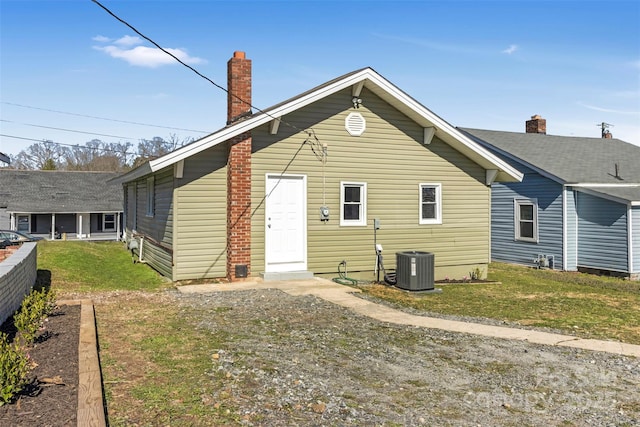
(239,170)
(536,125)
(238,87)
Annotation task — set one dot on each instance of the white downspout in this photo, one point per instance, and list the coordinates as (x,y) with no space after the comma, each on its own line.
(117,226)
(630,238)
(564,229)
(140,251)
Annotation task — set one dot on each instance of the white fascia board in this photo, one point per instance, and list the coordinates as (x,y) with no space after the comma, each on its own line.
(253,122)
(467,146)
(370,78)
(601,195)
(596,185)
(201,145)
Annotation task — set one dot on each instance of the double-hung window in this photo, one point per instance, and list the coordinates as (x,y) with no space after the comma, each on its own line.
(150,196)
(430,203)
(526,220)
(353,203)
(108,222)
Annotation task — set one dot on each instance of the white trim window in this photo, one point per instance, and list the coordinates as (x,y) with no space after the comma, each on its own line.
(109,222)
(353,203)
(150,196)
(526,220)
(430,203)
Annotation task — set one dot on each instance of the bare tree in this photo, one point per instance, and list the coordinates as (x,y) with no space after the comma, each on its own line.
(149,149)
(37,156)
(95,155)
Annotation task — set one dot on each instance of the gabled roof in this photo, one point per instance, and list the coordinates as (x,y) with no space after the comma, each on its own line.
(366,78)
(589,163)
(31,191)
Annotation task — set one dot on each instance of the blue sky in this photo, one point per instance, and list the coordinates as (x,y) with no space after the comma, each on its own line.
(479,64)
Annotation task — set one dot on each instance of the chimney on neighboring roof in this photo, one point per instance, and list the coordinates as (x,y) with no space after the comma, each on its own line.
(536,125)
(239,170)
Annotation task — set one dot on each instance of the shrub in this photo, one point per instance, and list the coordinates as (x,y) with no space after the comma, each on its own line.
(34,309)
(14,368)
(14,360)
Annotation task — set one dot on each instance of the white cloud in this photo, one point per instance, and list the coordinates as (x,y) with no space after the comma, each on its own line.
(128,41)
(511,49)
(607,110)
(143,56)
(101,39)
(631,94)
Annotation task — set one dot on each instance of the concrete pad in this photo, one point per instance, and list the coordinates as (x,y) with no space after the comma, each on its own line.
(343,296)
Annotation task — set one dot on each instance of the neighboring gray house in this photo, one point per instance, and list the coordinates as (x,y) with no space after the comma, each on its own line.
(578,206)
(76,205)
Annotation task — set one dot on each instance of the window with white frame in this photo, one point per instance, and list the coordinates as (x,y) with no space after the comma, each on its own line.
(353,203)
(526,220)
(430,203)
(150,196)
(108,222)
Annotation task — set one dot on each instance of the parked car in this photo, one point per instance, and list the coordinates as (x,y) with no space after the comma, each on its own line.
(17,237)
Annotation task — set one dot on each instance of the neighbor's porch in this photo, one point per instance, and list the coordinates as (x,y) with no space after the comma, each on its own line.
(69,226)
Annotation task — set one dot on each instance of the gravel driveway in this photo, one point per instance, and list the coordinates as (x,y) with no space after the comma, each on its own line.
(299,360)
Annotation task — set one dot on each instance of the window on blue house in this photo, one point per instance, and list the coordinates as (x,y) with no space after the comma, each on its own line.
(526,220)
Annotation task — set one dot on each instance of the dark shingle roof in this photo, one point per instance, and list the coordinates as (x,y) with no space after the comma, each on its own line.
(59,191)
(572,159)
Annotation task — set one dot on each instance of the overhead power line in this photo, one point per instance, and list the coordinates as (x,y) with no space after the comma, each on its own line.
(312,140)
(103,118)
(47,141)
(66,130)
(310,132)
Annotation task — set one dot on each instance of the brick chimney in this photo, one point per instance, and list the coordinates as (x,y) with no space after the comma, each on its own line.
(239,170)
(536,125)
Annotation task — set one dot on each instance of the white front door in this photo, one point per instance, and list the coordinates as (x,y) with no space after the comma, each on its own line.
(286,223)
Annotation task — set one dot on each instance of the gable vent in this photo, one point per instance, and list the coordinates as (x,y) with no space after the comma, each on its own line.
(355,124)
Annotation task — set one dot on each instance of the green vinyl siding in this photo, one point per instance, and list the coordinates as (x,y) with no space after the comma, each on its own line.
(200,227)
(157,230)
(390,157)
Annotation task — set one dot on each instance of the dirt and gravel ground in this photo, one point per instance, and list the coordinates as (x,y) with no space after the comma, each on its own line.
(303,361)
(299,360)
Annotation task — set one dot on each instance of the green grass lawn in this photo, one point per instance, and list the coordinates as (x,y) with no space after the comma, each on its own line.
(94,266)
(581,304)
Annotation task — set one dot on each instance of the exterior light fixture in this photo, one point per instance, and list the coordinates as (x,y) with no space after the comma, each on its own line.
(357,102)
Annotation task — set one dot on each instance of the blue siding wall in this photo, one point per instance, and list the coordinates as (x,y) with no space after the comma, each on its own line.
(504,247)
(635,226)
(572,231)
(602,233)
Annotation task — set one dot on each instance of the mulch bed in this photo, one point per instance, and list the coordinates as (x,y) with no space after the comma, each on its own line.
(51,398)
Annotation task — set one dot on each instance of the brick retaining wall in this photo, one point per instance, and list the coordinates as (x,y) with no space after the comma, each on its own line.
(17,276)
